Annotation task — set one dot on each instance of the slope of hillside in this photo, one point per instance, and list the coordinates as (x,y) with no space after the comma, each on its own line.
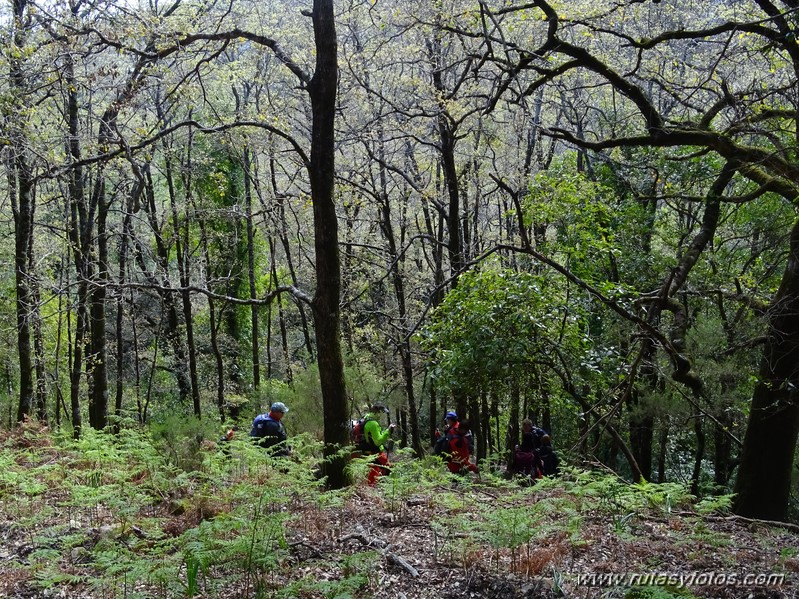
(129,517)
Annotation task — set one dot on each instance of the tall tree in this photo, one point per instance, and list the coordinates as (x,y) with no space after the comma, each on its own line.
(327,316)
(21,188)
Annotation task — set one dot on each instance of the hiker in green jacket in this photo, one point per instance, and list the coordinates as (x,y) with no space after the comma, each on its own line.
(375,438)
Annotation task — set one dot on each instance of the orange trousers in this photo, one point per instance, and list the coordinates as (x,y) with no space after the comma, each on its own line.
(378,468)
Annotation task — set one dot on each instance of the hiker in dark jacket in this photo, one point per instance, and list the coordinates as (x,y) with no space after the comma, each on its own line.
(549,458)
(270,431)
(526,458)
(528,443)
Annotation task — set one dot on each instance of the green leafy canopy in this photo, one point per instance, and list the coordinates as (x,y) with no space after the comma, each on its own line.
(494,322)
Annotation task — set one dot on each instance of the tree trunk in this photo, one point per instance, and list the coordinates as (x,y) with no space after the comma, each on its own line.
(284,241)
(641,438)
(282,224)
(255,347)
(281,319)
(63,315)
(512,436)
(696,476)
(495,415)
(21,197)
(218,360)
(433,412)
(404,343)
(322,90)
(20,186)
(40,395)
(763,486)
(214,327)
(164,289)
(722,443)
(182,258)
(78,235)
(448,140)
(124,245)
(663,440)
(485,427)
(97,361)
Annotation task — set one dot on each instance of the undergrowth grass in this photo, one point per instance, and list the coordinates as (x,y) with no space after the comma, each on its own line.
(142,514)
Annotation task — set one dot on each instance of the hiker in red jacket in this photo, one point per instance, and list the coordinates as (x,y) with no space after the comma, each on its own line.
(451,420)
(458,450)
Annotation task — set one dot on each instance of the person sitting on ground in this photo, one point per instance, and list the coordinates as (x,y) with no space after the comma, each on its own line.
(525,456)
(549,458)
(459,450)
(270,431)
(375,439)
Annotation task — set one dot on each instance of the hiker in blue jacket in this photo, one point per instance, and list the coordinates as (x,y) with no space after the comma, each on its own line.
(270,431)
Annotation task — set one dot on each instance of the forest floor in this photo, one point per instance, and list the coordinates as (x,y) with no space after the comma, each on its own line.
(109,519)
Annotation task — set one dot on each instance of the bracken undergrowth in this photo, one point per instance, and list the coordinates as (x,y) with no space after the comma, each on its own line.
(137,515)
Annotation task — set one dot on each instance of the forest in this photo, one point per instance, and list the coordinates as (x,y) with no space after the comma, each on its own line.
(583,213)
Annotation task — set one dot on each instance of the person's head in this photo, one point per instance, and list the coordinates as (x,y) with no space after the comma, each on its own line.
(377,409)
(464,426)
(277,410)
(451,418)
(545,440)
(527,425)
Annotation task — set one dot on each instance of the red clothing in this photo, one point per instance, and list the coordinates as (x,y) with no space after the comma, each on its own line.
(450,430)
(459,453)
(527,462)
(378,468)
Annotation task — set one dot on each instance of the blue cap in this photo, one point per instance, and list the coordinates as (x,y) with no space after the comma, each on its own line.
(451,416)
(278,406)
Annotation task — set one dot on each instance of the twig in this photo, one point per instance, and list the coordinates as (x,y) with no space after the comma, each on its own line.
(402,563)
(316,553)
(385,548)
(742,519)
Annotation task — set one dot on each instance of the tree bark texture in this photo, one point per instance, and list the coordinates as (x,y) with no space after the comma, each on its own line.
(21,190)
(763,485)
(326,309)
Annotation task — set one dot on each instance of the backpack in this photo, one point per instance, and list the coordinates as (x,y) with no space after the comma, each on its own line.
(356,432)
(358,438)
(262,426)
(257,429)
(549,461)
(442,445)
(537,434)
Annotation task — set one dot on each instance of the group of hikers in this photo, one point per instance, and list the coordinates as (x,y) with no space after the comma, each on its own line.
(534,457)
